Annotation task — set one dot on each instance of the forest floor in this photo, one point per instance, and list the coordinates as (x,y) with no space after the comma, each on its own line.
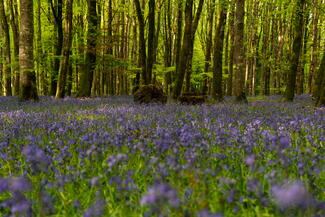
(110,157)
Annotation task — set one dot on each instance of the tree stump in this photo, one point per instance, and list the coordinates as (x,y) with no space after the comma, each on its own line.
(192,98)
(150,94)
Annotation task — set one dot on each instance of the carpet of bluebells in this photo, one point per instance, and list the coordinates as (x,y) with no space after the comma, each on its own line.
(111,157)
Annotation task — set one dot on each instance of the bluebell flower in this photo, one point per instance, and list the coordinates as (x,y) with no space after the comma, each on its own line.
(207,213)
(293,195)
(160,195)
(4,185)
(97,209)
(19,184)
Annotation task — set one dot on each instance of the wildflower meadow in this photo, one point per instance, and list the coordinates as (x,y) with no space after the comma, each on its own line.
(110,157)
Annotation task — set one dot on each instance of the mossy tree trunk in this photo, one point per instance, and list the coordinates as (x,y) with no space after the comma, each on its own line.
(298,26)
(320,83)
(6,48)
(151,40)
(27,82)
(87,75)
(239,88)
(187,46)
(207,64)
(64,68)
(217,92)
(142,43)
(58,18)
(13,10)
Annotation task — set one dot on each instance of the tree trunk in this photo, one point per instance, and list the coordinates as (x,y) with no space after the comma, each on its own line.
(217,92)
(1,67)
(142,44)
(28,89)
(320,84)
(40,59)
(296,50)
(178,44)
(87,75)
(231,25)
(188,42)
(69,79)
(151,40)
(239,52)
(110,47)
(207,64)
(168,45)
(64,68)
(57,13)
(302,63)
(314,48)
(265,70)
(13,9)
(6,46)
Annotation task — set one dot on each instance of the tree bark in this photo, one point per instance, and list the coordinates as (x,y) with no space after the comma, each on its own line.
(239,52)
(301,67)
(64,68)
(142,43)
(13,9)
(57,13)
(217,92)
(6,46)
(151,40)
(28,89)
(231,25)
(296,50)
(168,41)
(314,48)
(87,75)
(188,42)
(320,84)
(320,97)
(178,43)
(110,47)
(207,64)
(265,69)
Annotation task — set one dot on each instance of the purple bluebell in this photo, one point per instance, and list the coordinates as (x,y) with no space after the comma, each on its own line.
(292,195)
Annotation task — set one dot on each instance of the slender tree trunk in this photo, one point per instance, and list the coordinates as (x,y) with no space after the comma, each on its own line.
(151,40)
(320,83)
(28,89)
(217,92)
(64,68)
(188,41)
(41,59)
(142,44)
(231,27)
(168,45)
(302,63)
(156,42)
(87,75)
(265,70)
(314,48)
(69,79)
(178,44)
(7,65)
(239,52)
(207,64)
(110,47)
(296,50)
(57,13)
(185,48)
(13,9)
(1,65)
(188,69)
